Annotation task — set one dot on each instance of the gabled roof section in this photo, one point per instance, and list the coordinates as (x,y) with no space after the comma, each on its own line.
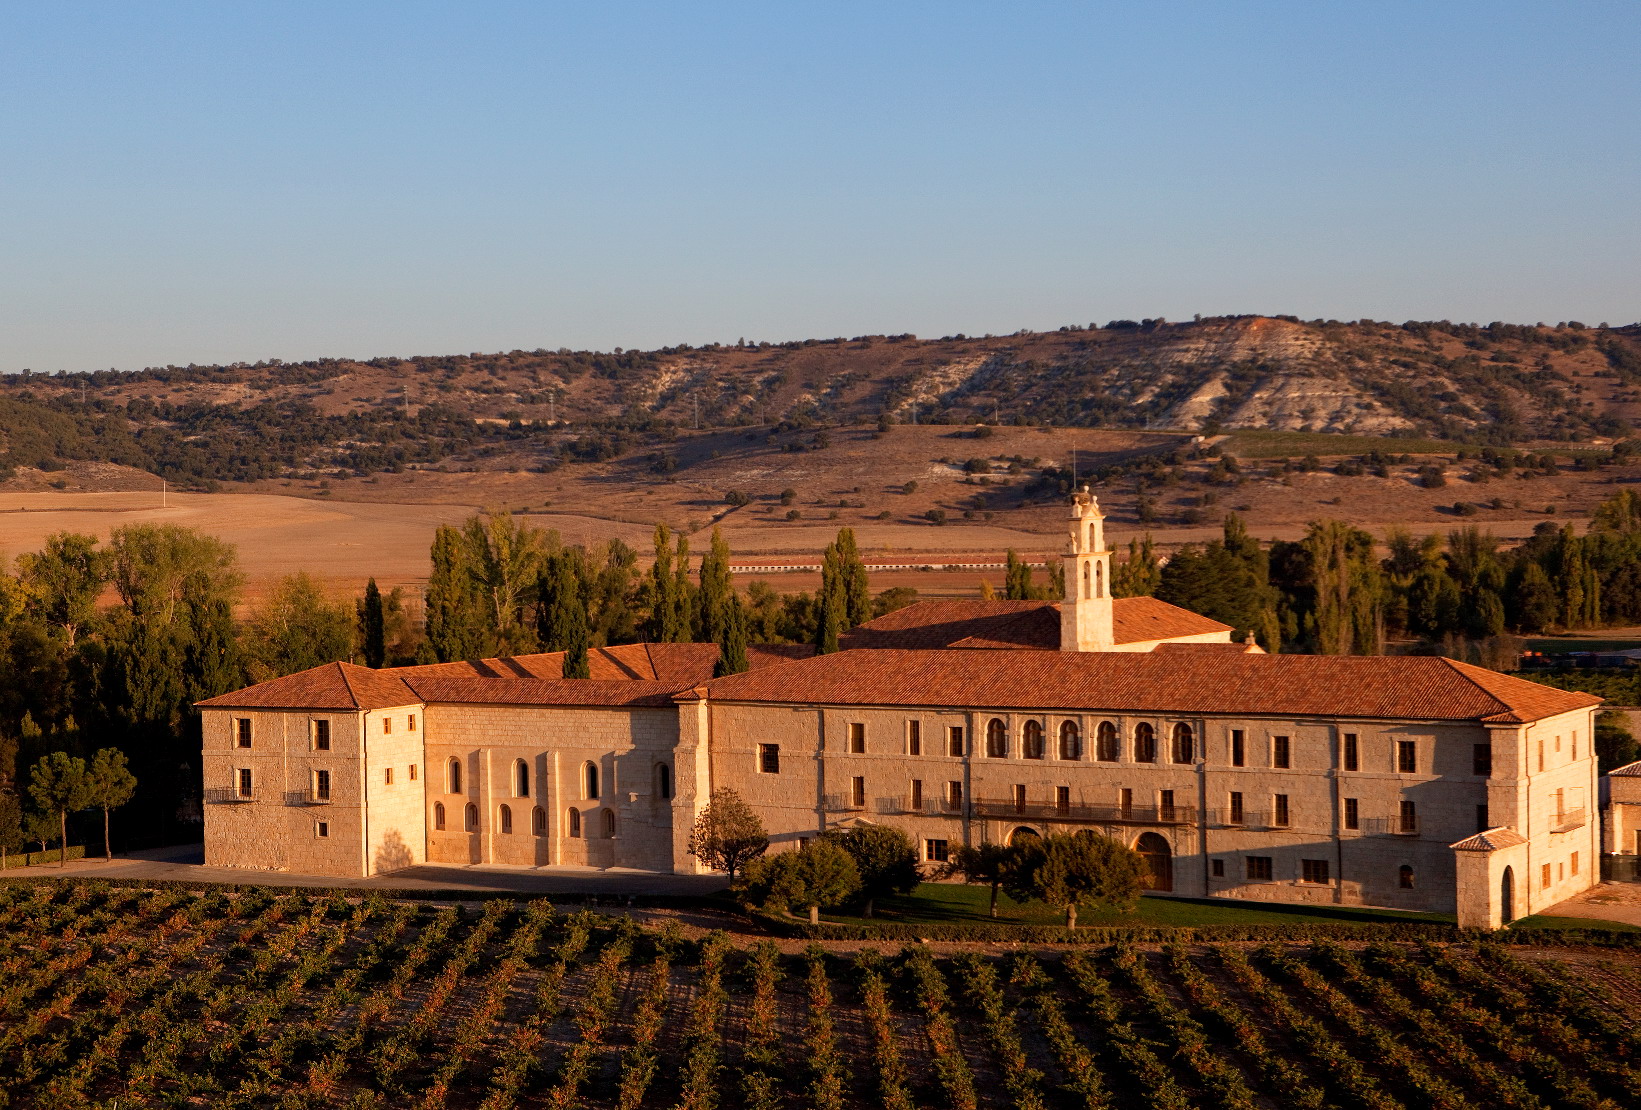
(1176,682)
(1629,770)
(967,623)
(617,693)
(330,686)
(1490,841)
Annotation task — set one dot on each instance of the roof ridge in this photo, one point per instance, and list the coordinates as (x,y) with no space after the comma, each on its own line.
(342,667)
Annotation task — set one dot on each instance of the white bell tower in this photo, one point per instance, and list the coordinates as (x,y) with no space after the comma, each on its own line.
(1086,622)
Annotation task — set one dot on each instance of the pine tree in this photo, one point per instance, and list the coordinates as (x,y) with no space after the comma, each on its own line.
(373,626)
(109,785)
(60,784)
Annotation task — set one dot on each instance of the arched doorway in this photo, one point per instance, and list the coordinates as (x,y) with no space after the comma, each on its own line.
(1507,896)
(1021,834)
(1159,859)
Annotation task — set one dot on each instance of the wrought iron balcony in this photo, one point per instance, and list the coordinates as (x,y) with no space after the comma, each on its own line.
(842,803)
(307,798)
(227,795)
(1080,813)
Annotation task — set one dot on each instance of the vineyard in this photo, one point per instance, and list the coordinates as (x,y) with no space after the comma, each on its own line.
(115,997)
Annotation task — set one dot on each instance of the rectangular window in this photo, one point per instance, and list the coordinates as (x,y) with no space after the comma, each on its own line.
(1313,870)
(1352,753)
(1018,794)
(321,786)
(1279,810)
(954,795)
(410,725)
(321,736)
(1126,803)
(1544,877)
(242,732)
(936,851)
(245,782)
(1236,807)
(1407,757)
(1408,818)
(1353,814)
(1574,863)
(1218,868)
(1062,799)
(321,829)
(1239,747)
(769,759)
(1481,759)
(1561,804)
(1541,755)
(1575,746)
(857,737)
(1281,753)
(387,725)
(1165,805)
(914,737)
(387,776)
(1259,869)
(412,772)
(954,741)
(857,792)
(1481,818)
(916,799)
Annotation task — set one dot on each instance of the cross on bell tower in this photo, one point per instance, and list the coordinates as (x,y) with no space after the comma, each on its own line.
(1086,620)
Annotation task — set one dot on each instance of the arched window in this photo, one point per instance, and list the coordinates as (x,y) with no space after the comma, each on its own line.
(589,775)
(574,822)
(1145,743)
(1031,740)
(1099,579)
(521,779)
(1088,590)
(538,821)
(438,815)
(455,776)
(1071,740)
(1184,743)
(609,823)
(663,781)
(1404,877)
(505,816)
(1088,544)
(997,738)
(472,817)
(1105,743)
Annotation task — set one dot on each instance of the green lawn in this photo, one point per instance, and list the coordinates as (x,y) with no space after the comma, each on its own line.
(953,904)
(1540,921)
(1275,445)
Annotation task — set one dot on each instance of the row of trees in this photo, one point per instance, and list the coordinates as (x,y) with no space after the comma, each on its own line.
(61,784)
(858,865)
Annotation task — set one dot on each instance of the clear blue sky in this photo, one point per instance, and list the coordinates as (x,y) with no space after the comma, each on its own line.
(222,181)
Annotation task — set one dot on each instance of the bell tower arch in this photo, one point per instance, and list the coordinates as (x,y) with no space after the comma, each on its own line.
(1086,620)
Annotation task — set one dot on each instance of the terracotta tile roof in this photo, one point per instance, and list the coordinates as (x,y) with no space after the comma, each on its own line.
(1399,688)
(1229,647)
(968,623)
(331,686)
(346,686)
(627,693)
(1490,841)
(1629,770)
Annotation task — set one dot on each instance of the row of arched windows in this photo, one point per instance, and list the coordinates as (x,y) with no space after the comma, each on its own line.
(1107,745)
(538,820)
(589,779)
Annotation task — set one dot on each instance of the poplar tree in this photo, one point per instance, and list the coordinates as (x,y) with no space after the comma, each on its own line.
(683,595)
(831,604)
(504,558)
(373,626)
(851,569)
(716,591)
(1017,579)
(563,612)
(1137,576)
(454,630)
(732,645)
(658,589)
(296,628)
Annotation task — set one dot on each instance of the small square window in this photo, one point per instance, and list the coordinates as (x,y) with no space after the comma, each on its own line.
(322,829)
(242,732)
(1218,868)
(1259,869)
(321,736)
(1313,870)
(936,851)
(769,759)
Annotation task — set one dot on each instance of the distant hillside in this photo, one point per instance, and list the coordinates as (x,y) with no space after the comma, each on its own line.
(1501,384)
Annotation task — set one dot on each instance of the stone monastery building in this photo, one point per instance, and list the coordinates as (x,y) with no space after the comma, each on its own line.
(1412,782)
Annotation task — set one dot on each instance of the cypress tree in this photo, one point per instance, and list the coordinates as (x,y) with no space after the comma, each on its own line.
(455,625)
(661,628)
(857,592)
(831,604)
(562,621)
(683,595)
(1017,579)
(732,648)
(716,592)
(373,626)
